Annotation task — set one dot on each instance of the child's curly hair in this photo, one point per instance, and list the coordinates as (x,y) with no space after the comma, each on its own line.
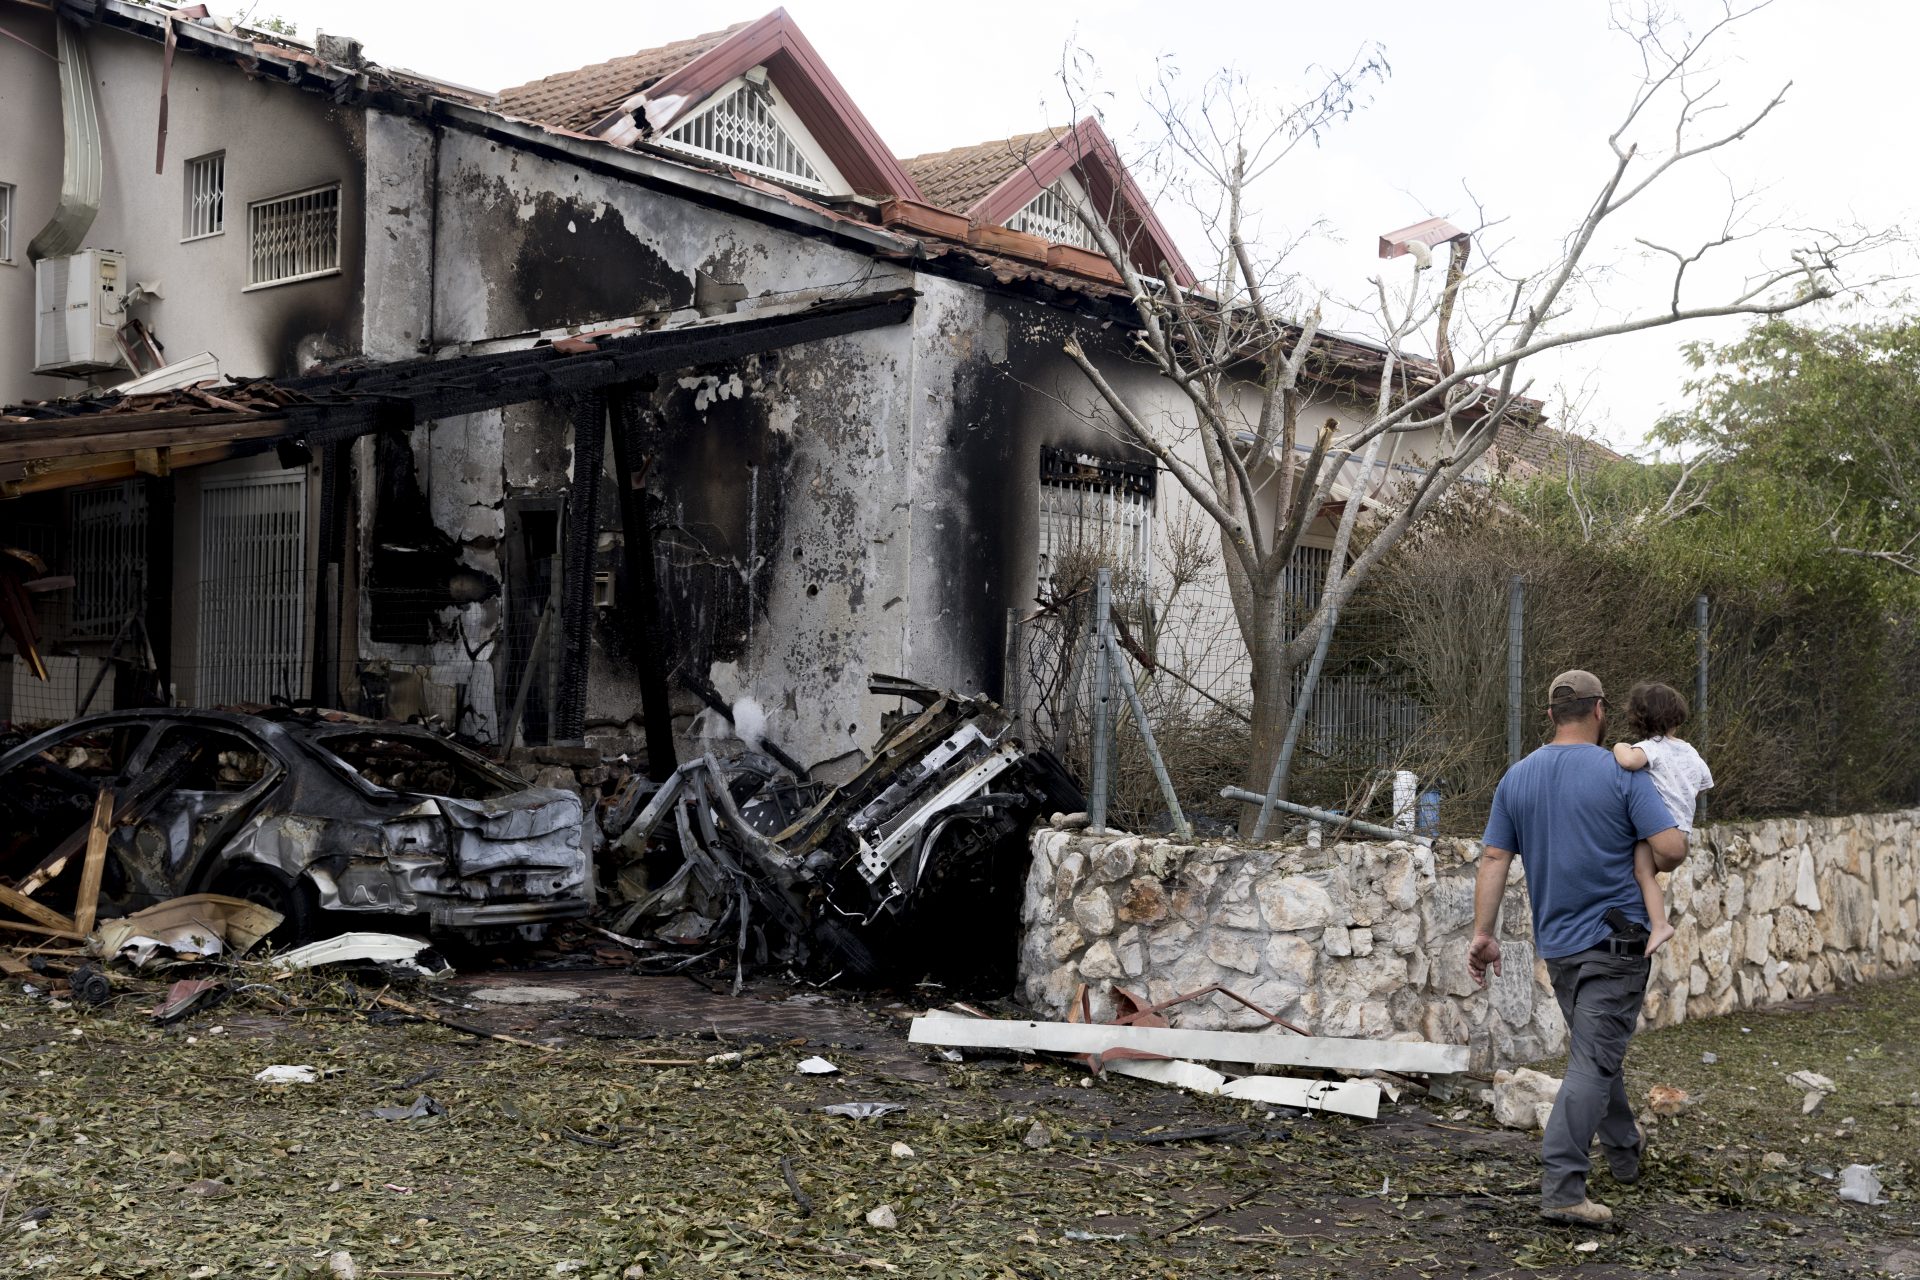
(1655,710)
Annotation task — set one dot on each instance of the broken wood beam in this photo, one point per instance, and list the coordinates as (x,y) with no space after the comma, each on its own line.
(1323,1052)
(87,903)
(45,916)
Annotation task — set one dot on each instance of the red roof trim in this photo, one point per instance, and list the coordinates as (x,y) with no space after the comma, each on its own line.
(803,77)
(1087,149)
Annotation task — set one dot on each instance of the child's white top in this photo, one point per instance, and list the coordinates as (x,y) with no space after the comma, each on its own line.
(1679,775)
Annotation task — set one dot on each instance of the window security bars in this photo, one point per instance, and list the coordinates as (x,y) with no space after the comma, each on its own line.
(1095,507)
(744,130)
(206,211)
(108,557)
(293,237)
(6,222)
(1050,216)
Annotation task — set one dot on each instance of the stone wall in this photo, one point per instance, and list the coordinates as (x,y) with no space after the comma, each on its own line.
(1371,939)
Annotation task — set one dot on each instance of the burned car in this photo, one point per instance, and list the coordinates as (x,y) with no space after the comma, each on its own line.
(915,865)
(314,815)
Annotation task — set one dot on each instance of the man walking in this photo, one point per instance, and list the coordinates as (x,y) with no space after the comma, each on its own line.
(1573,815)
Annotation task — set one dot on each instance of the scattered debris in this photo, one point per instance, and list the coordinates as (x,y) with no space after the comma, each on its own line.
(1773,1161)
(188,996)
(1038,1136)
(1709,1058)
(732,1057)
(392,953)
(932,830)
(1090,1236)
(1523,1099)
(801,1200)
(340,1265)
(1347,1097)
(89,985)
(1666,1100)
(1813,1080)
(882,1218)
(525,995)
(286,1074)
(199,926)
(1860,1185)
(1587,1246)
(1259,1048)
(900,1151)
(424,1107)
(815,1067)
(864,1110)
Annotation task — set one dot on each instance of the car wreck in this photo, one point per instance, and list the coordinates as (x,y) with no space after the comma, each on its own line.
(913,865)
(321,816)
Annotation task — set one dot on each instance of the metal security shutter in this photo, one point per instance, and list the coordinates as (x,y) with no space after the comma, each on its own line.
(108,557)
(253,617)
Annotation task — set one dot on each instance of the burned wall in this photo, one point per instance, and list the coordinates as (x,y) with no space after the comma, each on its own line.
(993,387)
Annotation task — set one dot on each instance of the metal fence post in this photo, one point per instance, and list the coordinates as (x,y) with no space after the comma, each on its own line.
(1102,679)
(1011,694)
(1516,656)
(1141,722)
(1700,694)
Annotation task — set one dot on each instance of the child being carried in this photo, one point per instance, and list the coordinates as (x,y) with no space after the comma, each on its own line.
(1678,773)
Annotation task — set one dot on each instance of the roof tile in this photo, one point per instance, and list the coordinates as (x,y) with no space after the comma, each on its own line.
(957,179)
(580,98)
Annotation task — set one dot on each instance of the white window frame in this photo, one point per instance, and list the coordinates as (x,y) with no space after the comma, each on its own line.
(1037,222)
(830,181)
(7,206)
(339,227)
(194,191)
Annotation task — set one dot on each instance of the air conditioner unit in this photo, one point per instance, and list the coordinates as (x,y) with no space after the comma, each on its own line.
(77,302)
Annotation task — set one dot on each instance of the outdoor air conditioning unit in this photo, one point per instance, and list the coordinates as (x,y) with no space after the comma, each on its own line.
(77,302)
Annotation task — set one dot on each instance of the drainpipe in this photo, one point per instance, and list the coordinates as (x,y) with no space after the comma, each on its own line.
(80,169)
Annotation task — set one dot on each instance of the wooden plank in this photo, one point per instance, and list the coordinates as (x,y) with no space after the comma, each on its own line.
(20,926)
(34,911)
(88,901)
(1266,1049)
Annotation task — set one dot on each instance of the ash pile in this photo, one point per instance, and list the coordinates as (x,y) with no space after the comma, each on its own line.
(913,867)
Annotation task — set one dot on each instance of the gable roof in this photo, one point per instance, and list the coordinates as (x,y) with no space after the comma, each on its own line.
(646,94)
(579,99)
(998,179)
(957,179)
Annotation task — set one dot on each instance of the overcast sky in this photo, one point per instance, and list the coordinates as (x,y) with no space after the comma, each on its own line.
(1511,98)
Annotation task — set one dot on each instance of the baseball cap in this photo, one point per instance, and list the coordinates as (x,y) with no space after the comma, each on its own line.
(1582,684)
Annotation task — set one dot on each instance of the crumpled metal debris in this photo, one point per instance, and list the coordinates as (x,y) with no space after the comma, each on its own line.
(198,926)
(424,1107)
(864,1110)
(922,852)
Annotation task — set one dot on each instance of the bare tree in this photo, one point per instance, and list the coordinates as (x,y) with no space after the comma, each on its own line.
(1244,346)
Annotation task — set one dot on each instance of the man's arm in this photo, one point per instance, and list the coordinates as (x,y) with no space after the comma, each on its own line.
(1669,848)
(1628,756)
(1489,886)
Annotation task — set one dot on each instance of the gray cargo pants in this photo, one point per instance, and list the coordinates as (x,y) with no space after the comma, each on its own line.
(1600,994)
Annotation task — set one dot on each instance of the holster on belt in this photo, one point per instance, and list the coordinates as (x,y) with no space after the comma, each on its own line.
(1629,936)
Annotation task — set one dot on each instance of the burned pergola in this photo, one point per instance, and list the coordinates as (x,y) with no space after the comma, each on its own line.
(69,443)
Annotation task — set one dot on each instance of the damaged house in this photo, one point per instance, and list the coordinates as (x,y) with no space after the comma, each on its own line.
(642,404)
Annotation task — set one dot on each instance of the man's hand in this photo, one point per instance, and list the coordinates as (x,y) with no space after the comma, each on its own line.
(1483,955)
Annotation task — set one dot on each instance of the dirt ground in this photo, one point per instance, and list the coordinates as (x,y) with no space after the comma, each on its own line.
(627,1139)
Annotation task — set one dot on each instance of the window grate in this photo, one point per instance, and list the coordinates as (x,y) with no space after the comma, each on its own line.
(6,222)
(253,620)
(744,129)
(108,557)
(206,213)
(1095,508)
(293,237)
(1050,216)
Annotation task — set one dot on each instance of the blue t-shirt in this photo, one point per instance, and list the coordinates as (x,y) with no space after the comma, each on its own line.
(1573,815)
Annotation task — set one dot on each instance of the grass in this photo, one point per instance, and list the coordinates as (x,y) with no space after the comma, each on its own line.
(153,1153)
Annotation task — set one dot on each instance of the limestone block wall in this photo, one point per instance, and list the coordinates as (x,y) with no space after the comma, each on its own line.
(1370,939)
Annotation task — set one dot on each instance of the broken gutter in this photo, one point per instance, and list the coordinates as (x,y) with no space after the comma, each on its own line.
(80,167)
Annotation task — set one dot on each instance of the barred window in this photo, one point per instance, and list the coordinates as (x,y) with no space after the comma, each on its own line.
(108,556)
(1093,512)
(1050,216)
(6,222)
(206,193)
(748,128)
(293,237)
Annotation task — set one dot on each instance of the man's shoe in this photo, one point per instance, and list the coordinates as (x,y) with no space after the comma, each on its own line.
(1625,1165)
(1584,1214)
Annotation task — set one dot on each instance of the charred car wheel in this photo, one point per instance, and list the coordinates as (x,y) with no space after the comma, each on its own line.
(296,901)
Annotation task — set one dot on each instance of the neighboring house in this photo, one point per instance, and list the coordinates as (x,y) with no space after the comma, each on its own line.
(558,403)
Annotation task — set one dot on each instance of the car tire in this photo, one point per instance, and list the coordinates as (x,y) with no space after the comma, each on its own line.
(296,900)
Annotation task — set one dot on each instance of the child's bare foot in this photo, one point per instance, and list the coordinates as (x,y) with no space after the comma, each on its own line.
(1661,932)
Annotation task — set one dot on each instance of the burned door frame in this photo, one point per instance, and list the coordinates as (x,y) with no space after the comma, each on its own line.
(533,584)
